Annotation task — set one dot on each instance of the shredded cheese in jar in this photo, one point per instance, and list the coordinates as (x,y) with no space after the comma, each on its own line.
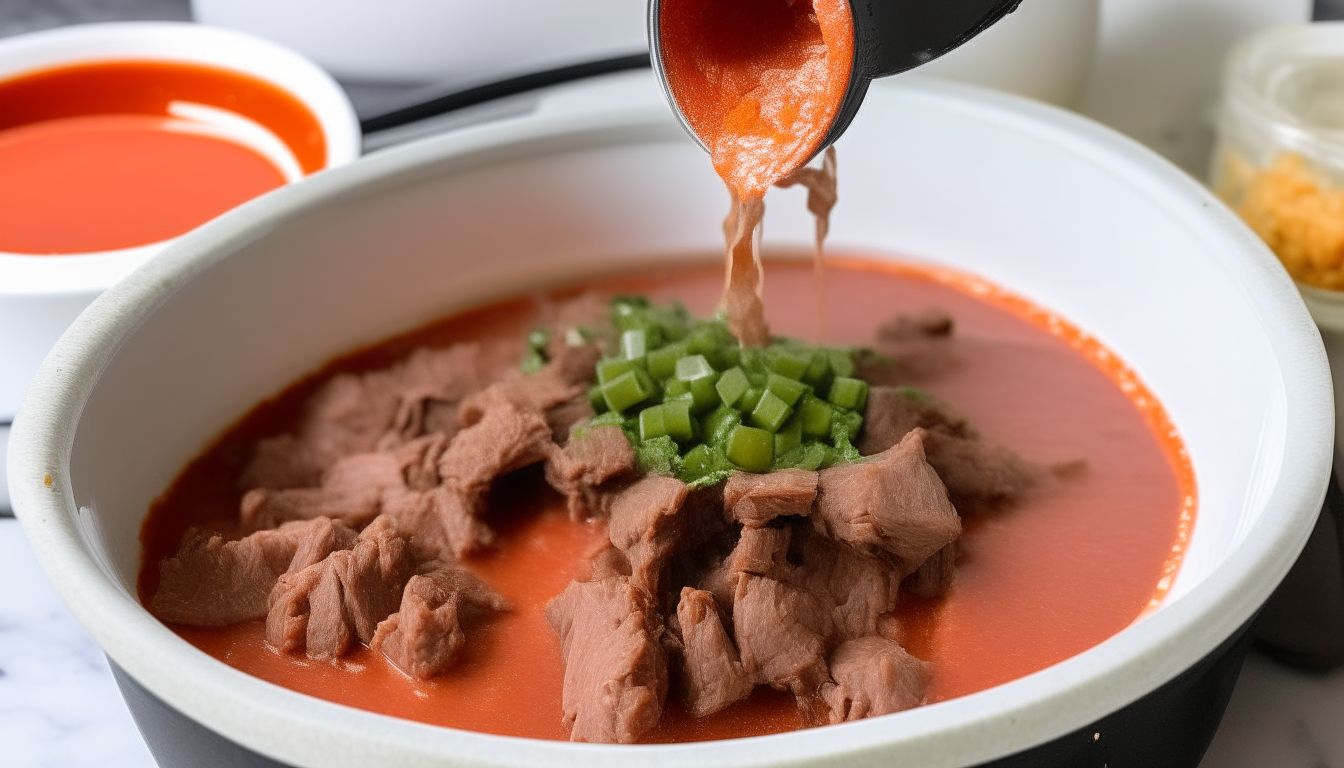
(1298,214)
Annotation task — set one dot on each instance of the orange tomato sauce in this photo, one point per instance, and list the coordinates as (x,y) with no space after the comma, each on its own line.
(93,159)
(1035,585)
(759,81)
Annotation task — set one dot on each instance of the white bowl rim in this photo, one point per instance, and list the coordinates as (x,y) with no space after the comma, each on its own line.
(26,273)
(964,731)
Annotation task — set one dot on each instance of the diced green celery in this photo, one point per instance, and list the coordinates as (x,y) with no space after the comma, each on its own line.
(625,391)
(720,423)
(708,337)
(704,465)
(662,362)
(726,357)
(731,385)
(676,388)
(646,381)
(750,448)
(538,337)
(815,416)
(703,394)
(785,389)
(753,360)
(848,393)
(792,363)
(694,367)
(696,463)
(789,436)
(771,412)
(651,423)
(596,399)
(635,343)
(532,363)
(842,362)
(677,421)
(819,370)
(810,456)
(917,395)
(612,367)
(658,456)
(750,399)
(845,426)
(699,375)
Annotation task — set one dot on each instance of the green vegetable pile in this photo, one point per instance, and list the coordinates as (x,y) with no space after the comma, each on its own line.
(696,405)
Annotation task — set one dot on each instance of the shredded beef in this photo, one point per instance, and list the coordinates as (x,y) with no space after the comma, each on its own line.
(644,524)
(711,673)
(873,676)
(756,499)
(214,582)
(981,477)
(857,590)
(615,666)
(424,637)
(327,605)
(935,576)
(592,459)
(892,505)
(893,411)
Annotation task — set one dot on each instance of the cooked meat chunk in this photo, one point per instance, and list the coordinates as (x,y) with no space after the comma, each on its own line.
(893,411)
(379,565)
(433,383)
(307,610)
(534,394)
(935,576)
(762,552)
(873,676)
(981,477)
(572,364)
(858,590)
(781,633)
(918,343)
(350,492)
(594,457)
(214,582)
(892,505)
(931,322)
(358,413)
(424,636)
(645,525)
(615,666)
(712,677)
(564,417)
(504,438)
(327,605)
(756,499)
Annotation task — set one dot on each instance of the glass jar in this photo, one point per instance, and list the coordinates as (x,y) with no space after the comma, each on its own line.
(1279,159)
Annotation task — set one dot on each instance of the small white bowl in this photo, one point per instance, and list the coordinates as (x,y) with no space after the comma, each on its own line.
(1050,205)
(40,295)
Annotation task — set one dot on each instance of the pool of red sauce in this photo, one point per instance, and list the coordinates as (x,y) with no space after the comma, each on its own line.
(1035,585)
(92,161)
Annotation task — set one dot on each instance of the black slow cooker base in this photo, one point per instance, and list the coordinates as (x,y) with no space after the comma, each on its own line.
(1169,728)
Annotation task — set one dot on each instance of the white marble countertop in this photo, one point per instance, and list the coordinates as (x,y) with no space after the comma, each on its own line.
(1155,79)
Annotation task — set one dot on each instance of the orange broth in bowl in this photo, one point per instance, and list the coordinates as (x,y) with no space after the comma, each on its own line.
(1034,584)
(97,158)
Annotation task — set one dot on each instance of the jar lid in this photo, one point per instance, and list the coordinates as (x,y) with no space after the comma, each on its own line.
(1288,82)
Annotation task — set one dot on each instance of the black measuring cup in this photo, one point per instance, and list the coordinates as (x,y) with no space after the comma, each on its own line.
(890,37)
